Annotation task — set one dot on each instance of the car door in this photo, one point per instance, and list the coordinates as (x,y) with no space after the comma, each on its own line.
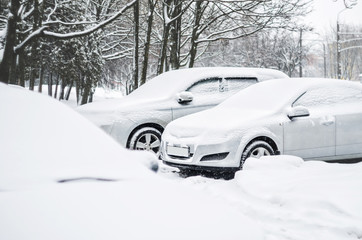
(210,92)
(349,123)
(312,136)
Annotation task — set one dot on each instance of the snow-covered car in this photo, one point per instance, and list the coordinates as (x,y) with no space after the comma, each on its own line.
(317,119)
(61,178)
(138,120)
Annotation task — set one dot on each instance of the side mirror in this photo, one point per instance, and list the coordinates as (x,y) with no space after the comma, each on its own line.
(298,111)
(184,97)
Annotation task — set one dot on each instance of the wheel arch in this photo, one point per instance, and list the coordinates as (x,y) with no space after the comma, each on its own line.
(154,125)
(266,139)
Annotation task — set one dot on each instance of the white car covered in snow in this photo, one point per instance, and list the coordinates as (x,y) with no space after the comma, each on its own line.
(311,118)
(138,120)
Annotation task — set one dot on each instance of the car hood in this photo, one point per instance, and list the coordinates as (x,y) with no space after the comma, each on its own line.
(106,112)
(216,122)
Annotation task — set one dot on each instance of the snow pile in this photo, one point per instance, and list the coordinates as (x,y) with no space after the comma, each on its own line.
(313,200)
(41,139)
(270,163)
(63,178)
(293,199)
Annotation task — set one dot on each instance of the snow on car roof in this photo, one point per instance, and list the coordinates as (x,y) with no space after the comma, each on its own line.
(183,78)
(273,94)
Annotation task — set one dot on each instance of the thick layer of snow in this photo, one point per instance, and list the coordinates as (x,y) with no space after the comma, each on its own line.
(273,198)
(107,193)
(159,86)
(42,140)
(293,199)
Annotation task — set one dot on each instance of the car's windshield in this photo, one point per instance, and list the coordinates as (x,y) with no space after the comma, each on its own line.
(267,95)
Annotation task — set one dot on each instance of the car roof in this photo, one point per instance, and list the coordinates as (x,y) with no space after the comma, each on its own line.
(183,78)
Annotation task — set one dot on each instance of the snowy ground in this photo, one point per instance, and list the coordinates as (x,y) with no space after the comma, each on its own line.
(273,198)
(100,94)
(290,198)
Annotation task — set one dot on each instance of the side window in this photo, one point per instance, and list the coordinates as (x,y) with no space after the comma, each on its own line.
(329,96)
(236,84)
(206,86)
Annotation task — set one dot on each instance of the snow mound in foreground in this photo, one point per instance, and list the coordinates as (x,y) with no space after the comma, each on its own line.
(43,142)
(311,200)
(283,162)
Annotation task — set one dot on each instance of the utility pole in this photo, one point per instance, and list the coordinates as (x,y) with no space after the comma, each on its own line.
(324,60)
(339,70)
(339,48)
(300,53)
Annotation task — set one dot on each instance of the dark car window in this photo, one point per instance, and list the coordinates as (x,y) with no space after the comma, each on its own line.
(205,86)
(329,96)
(234,85)
(227,86)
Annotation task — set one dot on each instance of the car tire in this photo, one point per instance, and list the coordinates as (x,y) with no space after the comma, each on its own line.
(147,138)
(256,149)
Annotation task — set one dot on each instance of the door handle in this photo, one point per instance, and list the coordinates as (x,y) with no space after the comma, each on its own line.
(327,120)
(327,123)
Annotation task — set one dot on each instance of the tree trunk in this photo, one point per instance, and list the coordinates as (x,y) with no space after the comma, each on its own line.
(162,59)
(175,36)
(20,69)
(62,89)
(56,87)
(41,79)
(151,7)
(166,30)
(136,43)
(12,75)
(90,99)
(34,45)
(50,84)
(86,92)
(70,86)
(77,88)
(194,35)
(32,79)
(10,41)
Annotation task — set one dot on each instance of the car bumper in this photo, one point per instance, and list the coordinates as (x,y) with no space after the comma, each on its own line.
(221,156)
(202,168)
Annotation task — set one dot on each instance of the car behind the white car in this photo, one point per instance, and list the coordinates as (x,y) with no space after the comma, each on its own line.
(138,120)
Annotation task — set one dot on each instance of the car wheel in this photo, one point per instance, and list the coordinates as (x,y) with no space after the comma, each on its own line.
(147,138)
(256,149)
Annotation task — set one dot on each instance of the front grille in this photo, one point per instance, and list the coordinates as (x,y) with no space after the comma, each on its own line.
(179,157)
(216,156)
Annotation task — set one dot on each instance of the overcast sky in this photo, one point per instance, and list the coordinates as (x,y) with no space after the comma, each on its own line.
(325,14)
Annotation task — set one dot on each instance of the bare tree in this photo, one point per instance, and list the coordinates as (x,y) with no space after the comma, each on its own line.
(43,29)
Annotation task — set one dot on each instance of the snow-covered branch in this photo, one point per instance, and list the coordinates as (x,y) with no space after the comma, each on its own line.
(91,30)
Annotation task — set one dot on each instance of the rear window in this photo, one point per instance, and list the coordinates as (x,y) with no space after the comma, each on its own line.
(236,84)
